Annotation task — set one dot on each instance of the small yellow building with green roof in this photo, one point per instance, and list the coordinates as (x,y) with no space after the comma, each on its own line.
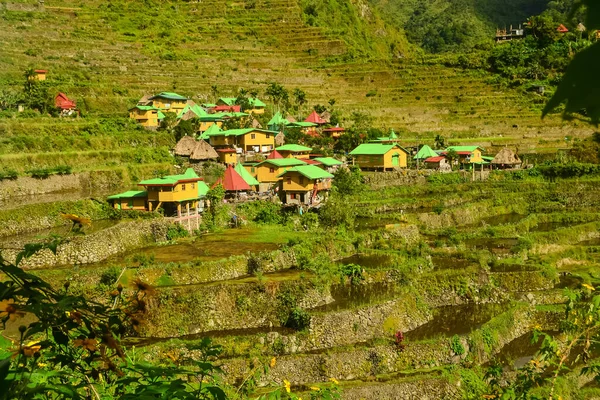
(294,151)
(147,116)
(380,156)
(169,101)
(269,170)
(250,139)
(301,184)
(178,196)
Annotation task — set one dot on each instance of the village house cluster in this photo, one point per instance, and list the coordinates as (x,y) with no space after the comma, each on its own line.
(259,162)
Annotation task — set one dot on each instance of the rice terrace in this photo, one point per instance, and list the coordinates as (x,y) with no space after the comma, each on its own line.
(300,199)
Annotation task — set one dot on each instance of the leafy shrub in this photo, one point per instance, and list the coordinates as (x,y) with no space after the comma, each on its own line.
(353,272)
(8,174)
(177,231)
(456,345)
(268,213)
(446,179)
(110,276)
(298,319)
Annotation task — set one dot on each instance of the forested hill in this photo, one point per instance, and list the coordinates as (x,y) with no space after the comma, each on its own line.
(450,25)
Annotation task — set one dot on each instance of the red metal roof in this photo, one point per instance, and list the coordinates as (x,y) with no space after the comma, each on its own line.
(62,101)
(315,119)
(232,181)
(562,29)
(226,108)
(274,154)
(226,150)
(336,129)
(312,162)
(434,159)
(40,71)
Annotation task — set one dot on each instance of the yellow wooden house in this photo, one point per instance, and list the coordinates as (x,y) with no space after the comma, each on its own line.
(40,74)
(379,156)
(227,156)
(302,184)
(130,200)
(147,116)
(294,151)
(268,171)
(466,154)
(168,101)
(250,139)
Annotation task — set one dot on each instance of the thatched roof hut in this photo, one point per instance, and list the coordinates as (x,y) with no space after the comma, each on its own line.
(185,146)
(279,139)
(256,124)
(203,151)
(506,157)
(145,100)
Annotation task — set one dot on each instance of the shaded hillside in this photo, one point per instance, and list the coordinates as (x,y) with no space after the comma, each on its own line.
(449,25)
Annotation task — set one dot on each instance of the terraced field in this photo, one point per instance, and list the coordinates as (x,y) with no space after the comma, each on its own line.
(465,271)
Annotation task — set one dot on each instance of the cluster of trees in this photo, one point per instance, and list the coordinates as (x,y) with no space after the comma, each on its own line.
(35,95)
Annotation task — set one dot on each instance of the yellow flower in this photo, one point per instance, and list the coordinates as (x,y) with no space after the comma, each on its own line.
(273,362)
(334,381)
(590,287)
(287,385)
(9,309)
(316,389)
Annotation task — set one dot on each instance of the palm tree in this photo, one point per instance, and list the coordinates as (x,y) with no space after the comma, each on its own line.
(440,142)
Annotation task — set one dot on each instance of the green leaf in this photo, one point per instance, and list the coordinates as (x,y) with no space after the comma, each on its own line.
(580,86)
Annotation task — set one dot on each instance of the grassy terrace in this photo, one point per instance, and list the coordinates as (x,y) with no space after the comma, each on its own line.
(108,56)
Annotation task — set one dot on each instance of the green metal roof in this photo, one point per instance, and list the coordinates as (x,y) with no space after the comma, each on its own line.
(464,148)
(302,124)
(283,162)
(250,180)
(235,114)
(230,101)
(293,147)
(425,152)
(375,149)
(212,130)
(209,105)
(254,102)
(239,132)
(160,115)
(168,95)
(487,158)
(128,195)
(309,171)
(202,189)
(145,108)
(171,180)
(328,161)
(196,109)
(278,120)
(393,135)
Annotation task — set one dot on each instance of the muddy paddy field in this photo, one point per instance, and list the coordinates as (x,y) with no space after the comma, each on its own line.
(466,271)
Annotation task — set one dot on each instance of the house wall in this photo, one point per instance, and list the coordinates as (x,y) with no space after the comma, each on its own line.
(40,77)
(476,156)
(294,181)
(179,192)
(264,174)
(402,161)
(291,154)
(251,139)
(133,203)
(382,161)
(207,124)
(228,158)
(297,197)
(256,110)
(145,118)
(222,140)
(251,169)
(169,105)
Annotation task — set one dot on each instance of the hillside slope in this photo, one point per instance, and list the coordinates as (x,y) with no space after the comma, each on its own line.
(107,56)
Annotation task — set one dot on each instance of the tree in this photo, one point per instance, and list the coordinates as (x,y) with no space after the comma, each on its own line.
(349,180)
(36,93)
(278,94)
(215,198)
(440,142)
(9,99)
(169,122)
(452,155)
(299,98)
(184,128)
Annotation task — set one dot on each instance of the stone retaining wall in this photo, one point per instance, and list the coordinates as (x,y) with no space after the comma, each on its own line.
(97,246)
